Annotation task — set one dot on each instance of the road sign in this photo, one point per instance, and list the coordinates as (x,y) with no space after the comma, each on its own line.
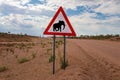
(60,25)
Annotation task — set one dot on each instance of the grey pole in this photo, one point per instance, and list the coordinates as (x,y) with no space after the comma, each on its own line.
(54,54)
(64,52)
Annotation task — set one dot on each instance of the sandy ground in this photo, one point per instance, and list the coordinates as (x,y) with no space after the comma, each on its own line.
(87,60)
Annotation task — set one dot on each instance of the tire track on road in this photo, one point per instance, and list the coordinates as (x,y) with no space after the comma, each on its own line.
(97,68)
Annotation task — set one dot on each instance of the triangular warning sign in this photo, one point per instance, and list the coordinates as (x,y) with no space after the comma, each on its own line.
(60,25)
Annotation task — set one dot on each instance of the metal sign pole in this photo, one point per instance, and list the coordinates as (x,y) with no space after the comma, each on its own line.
(64,52)
(54,54)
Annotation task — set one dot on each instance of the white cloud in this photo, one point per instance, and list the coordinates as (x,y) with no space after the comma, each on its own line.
(24,23)
(106,6)
(109,7)
(1,1)
(86,24)
(23,2)
(22,15)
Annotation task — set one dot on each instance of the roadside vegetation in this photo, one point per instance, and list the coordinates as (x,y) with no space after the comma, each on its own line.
(51,58)
(62,64)
(9,37)
(23,60)
(34,55)
(98,37)
(3,68)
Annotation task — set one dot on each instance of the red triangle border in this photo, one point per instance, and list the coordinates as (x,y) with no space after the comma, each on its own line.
(52,21)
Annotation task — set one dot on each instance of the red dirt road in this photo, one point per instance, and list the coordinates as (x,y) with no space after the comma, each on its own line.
(91,60)
(107,49)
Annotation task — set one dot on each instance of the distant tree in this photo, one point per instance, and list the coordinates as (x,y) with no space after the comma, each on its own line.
(8,32)
(25,34)
(117,35)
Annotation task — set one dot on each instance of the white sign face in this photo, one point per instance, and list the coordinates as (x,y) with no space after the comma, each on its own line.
(60,25)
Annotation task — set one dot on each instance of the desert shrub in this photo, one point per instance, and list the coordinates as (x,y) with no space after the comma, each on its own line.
(57,46)
(23,60)
(16,56)
(3,68)
(43,45)
(62,64)
(49,42)
(12,51)
(33,44)
(33,55)
(21,46)
(51,59)
(49,50)
(58,43)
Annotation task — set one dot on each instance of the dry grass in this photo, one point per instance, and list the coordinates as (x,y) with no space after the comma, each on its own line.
(23,60)
(3,68)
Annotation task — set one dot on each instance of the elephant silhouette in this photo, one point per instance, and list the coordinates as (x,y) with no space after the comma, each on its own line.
(58,26)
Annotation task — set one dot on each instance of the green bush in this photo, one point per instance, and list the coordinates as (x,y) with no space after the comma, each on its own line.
(62,64)
(33,55)
(23,60)
(51,59)
(3,68)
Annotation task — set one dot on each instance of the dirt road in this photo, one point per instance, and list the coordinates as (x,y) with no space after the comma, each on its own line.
(107,49)
(91,60)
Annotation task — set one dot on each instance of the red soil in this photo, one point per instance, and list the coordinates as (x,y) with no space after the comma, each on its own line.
(87,60)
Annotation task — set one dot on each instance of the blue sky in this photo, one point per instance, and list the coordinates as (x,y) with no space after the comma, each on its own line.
(88,17)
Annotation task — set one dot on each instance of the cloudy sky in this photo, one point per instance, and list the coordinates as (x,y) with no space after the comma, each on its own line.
(89,17)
